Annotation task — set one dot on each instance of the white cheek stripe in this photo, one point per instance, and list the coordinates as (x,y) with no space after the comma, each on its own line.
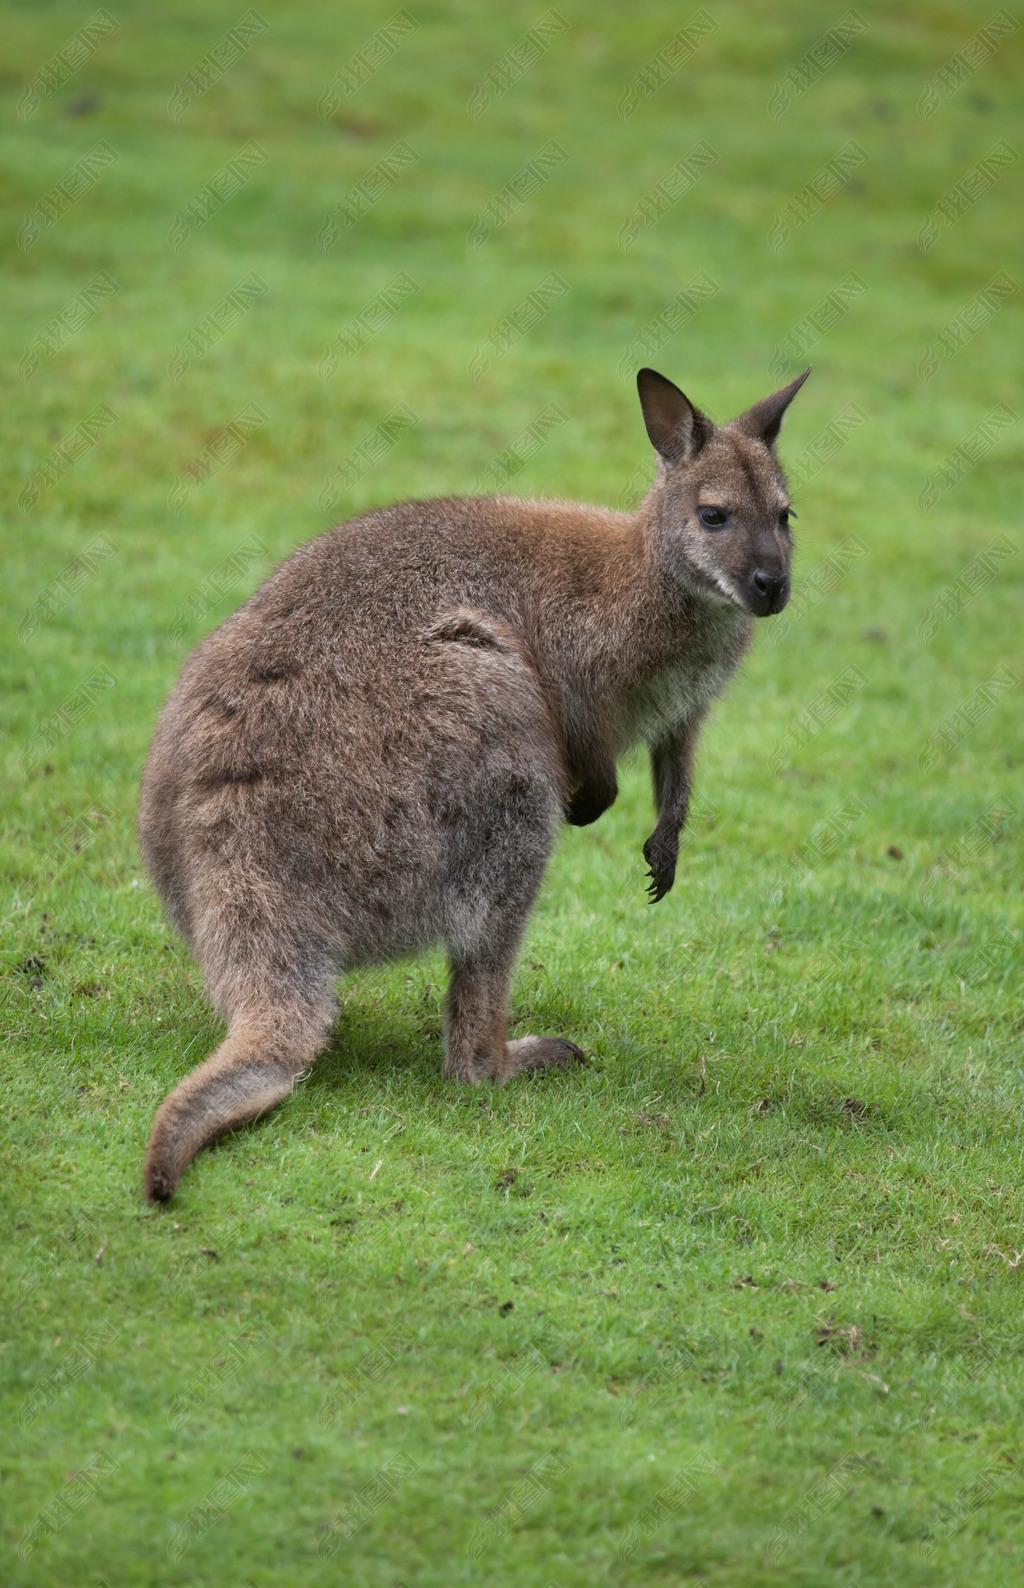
(727,589)
(719,579)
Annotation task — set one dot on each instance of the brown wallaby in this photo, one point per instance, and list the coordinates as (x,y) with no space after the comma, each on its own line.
(375,752)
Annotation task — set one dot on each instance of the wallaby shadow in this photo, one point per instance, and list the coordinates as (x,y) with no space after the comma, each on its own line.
(399,1035)
(363,1045)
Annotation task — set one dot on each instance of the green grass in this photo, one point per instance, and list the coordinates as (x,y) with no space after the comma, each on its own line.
(740,1303)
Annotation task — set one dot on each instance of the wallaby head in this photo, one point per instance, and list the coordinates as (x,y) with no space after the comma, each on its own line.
(719,506)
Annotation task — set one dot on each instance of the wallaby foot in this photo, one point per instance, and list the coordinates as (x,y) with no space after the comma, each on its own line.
(255,1067)
(476,1023)
(539,1053)
(476,1017)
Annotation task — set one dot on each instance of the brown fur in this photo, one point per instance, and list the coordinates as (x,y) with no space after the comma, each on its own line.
(374,754)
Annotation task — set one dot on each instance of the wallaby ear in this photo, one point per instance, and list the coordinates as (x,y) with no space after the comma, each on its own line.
(677,429)
(764,420)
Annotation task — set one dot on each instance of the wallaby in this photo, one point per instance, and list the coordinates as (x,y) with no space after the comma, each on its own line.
(375,752)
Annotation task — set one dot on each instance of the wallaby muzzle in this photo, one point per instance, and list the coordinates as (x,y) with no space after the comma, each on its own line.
(767,593)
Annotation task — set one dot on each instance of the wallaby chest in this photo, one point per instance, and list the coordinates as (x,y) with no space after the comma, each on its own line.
(674,689)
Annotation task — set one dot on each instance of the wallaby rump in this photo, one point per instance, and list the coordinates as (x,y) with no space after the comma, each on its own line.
(374,754)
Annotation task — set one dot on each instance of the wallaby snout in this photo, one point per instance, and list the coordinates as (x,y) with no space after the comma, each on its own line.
(374,754)
(769,591)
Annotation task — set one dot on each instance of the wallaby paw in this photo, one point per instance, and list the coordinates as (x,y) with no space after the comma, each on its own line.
(660,853)
(540,1053)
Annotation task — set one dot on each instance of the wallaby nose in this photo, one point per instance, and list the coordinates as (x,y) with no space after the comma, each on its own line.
(769,591)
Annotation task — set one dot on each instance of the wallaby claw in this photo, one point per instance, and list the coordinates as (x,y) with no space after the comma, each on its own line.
(658,886)
(661,861)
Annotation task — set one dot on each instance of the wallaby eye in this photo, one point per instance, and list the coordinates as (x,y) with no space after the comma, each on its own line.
(713,517)
(785,516)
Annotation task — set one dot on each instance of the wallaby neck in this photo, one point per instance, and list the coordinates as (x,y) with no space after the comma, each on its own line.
(618,628)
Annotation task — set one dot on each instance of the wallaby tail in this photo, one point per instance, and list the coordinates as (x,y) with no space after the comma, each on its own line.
(255,1067)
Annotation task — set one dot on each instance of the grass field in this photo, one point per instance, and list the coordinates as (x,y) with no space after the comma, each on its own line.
(738,1304)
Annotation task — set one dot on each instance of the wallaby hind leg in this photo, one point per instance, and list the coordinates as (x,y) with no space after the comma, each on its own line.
(477,1020)
(496,882)
(255,1067)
